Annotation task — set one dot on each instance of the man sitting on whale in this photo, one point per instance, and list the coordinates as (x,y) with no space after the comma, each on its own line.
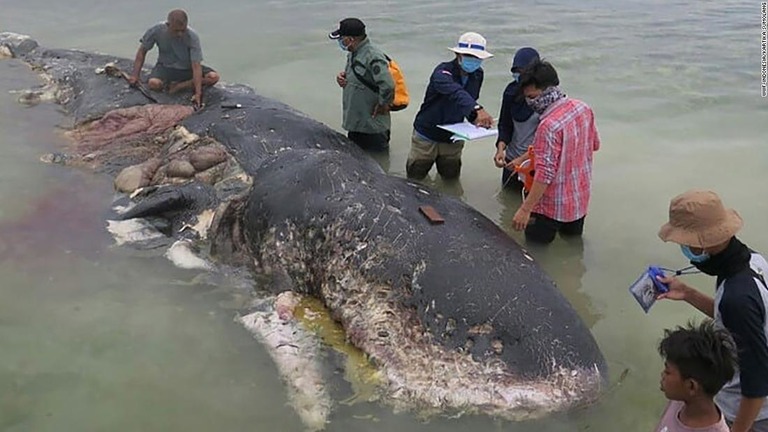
(179,59)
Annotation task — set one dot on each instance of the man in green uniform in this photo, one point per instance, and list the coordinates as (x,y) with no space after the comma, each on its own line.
(368,89)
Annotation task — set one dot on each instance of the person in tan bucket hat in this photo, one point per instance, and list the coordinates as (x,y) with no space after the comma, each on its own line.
(697,218)
(706,232)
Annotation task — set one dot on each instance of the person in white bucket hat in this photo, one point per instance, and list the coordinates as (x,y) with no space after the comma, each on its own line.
(473,44)
(706,232)
(451,96)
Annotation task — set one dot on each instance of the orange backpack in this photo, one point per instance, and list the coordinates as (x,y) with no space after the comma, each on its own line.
(401,90)
(401,100)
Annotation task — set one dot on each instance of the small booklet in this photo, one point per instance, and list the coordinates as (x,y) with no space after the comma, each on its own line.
(647,287)
(467,131)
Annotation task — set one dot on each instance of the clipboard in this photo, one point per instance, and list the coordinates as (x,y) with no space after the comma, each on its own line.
(466,131)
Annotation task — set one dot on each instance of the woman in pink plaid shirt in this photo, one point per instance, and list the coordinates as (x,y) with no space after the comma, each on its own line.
(562,147)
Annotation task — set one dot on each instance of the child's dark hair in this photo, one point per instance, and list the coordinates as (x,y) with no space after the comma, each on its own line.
(539,73)
(702,353)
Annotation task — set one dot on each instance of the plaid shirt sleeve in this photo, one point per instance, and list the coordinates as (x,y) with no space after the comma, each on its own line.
(547,149)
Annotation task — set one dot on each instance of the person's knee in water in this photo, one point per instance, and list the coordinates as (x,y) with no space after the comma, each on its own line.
(543,229)
(422,156)
(449,168)
(572,229)
(377,142)
(418,169)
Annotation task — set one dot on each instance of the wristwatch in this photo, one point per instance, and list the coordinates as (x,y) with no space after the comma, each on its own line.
(478,107)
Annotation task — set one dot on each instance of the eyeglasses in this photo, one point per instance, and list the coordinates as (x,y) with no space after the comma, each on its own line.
(471,46)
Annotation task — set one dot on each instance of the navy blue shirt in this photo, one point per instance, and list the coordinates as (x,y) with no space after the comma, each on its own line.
(741,306)
(447,101)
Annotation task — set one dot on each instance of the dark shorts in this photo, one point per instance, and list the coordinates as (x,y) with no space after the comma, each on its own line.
(169,75)
(543,229)
(378,142)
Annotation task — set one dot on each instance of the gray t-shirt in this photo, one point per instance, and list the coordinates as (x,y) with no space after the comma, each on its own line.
(174,52)
(522,136)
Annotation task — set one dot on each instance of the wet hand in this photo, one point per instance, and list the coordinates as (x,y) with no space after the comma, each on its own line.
(516,162)
(498,159)
(197,101)
(341,79)
(483,119)
(677,289)
(521,220)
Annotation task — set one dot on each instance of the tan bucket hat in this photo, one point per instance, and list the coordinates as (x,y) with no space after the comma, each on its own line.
(698,218)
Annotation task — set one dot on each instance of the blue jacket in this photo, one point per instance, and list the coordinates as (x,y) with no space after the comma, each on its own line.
(446,101)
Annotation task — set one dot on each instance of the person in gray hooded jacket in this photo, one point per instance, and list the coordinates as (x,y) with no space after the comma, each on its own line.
(517,123)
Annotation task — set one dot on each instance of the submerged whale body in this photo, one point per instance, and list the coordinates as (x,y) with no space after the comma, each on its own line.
(456,317)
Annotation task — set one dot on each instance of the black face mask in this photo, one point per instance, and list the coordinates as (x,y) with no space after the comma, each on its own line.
(730,261)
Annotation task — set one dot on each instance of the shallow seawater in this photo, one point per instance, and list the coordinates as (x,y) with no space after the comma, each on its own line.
(95,337)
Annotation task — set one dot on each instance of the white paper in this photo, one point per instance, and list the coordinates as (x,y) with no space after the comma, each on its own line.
(468,131)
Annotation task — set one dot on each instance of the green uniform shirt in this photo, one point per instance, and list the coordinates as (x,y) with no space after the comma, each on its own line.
(358,100)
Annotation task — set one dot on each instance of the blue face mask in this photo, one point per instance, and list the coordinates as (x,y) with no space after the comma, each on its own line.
(693,257)
(470,64)
(342,46)
(516,76)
